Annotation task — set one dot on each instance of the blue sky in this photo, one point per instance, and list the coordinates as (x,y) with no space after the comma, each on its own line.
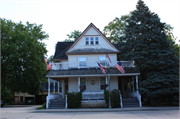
(60,17)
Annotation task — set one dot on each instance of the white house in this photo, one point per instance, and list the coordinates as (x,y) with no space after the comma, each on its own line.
(75,64)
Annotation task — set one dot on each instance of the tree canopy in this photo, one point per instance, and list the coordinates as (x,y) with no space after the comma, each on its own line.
(22,57)
(115,29)
(147,44)
(73,36)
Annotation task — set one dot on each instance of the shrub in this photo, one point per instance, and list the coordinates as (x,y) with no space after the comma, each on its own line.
(74,99)
(115,97)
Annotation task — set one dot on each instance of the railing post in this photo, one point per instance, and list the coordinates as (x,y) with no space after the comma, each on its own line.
(47,102)
(120,100)
(66,103)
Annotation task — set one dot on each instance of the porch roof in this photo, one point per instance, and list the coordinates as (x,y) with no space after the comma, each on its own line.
(129,71)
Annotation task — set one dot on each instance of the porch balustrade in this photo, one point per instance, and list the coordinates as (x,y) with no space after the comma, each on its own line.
(93,95)
(71,65)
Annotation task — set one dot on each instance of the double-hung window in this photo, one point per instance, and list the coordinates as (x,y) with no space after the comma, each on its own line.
(96,41)
(102,60)
(82,84)
(82,61)
(103,83)
(92,40)
(87,40)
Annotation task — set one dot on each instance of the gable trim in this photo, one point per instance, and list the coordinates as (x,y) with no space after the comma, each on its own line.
(82,34)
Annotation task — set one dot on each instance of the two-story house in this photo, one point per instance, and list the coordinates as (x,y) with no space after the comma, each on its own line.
(75,64)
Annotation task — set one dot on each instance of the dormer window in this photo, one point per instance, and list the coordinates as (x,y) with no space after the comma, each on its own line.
(87,40)
(92,40)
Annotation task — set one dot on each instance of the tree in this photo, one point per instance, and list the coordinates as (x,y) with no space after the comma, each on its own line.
(147,44)
(73,36)
(115,29)
(171,38)
(22,57)
(51,58)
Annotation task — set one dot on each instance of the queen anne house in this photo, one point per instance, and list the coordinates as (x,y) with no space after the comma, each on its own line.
(75,66)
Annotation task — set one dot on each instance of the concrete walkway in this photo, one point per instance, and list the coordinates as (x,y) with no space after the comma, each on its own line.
(107,109)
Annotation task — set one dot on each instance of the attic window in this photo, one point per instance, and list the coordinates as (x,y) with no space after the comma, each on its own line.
(92,40)
(96,40)
(87,40)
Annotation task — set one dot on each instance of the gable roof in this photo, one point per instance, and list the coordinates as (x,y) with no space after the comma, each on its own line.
(61,48)
(82,34)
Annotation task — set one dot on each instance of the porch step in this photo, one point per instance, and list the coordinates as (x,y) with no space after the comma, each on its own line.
(130,102)
(57,104)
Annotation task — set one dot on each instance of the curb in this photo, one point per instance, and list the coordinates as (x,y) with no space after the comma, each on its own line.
(106,110)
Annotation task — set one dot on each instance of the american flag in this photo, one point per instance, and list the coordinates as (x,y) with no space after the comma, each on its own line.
(119,67)
(107,56)
(102,68)
(45,60)
(49,65)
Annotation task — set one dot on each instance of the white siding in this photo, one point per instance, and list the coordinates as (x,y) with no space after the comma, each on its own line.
(73,61)
(95,87)
(114,82)
(91,60)
(73,84)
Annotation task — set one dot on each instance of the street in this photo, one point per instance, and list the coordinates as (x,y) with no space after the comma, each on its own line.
(31,113)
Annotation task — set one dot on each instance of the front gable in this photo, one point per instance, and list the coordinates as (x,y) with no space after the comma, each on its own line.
(92,41)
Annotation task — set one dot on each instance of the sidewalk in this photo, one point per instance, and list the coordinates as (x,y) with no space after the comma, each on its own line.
(108,110)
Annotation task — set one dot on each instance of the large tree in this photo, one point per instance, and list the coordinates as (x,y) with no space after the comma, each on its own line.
(115,29)
(147,44)
(22,57)
(73,36)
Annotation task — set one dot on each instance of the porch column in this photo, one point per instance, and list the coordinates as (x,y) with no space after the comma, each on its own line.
(136,82)
(54,86)
(63,89)
(133,83)
(48,86)
(130,84)
(78,84)
(106,83)
(58,86)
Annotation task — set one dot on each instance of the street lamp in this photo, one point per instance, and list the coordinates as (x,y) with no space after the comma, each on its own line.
(108,68)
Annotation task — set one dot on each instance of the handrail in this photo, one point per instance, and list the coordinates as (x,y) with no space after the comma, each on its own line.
(66,102)
(47,103)
(120,99)
(139,98)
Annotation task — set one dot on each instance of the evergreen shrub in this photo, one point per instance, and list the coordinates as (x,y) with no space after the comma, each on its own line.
(74,99)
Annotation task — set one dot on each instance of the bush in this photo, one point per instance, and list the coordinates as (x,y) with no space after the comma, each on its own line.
(74,99)
(115,97)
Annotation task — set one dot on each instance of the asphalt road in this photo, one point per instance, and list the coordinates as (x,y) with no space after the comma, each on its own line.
(30,113)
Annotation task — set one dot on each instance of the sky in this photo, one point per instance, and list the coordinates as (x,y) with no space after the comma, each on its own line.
(61,17)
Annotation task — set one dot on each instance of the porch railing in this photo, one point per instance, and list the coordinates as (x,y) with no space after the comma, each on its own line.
(93,95)
(91,64)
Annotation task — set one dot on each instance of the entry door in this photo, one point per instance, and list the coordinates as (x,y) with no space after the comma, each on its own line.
(124,88)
